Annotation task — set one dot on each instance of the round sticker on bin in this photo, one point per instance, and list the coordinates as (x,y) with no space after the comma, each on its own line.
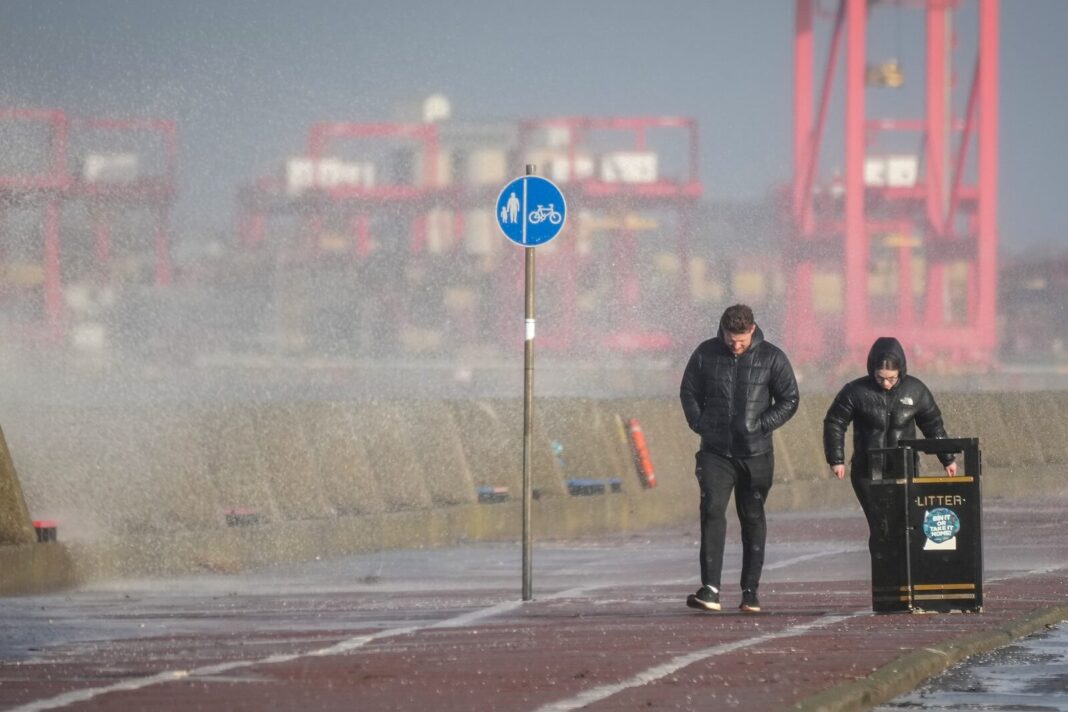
(940,525)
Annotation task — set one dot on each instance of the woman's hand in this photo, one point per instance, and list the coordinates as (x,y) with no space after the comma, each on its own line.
(839,471)
(951,469)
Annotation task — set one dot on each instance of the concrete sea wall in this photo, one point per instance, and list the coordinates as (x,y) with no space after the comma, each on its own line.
(156,490)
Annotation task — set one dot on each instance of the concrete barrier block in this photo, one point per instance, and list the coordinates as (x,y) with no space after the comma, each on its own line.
(995,438)
(125,483)
(1050,415)
(491,433)
(1059,400)
(546,476)
(959,413)
(785,469)
(178,470)
(488,450)
(288,458)
(47,447)
(16,527)
(345,472)
(35,569)
(617,447)
(578,440)
(152,462)
(1022,428)
(96,471)
(440,453)
(390,444)
(235,463)
(802,439)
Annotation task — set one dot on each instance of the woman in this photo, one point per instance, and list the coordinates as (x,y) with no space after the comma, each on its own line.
(885,406)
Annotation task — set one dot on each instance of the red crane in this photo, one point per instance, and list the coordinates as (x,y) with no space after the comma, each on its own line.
(321,182)
(111,182)
(891,214)
(106,182)
(46,186)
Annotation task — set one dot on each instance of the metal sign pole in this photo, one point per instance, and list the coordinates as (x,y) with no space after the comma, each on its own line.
(530,211)
(528,417)
(909,472)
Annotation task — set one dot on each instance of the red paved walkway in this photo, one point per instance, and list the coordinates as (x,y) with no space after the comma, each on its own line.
(442,630)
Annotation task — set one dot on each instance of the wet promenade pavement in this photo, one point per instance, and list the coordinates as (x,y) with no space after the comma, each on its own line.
(1031,674)
(608,629)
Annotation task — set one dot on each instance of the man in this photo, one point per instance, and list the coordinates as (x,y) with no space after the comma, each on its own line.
(736,390)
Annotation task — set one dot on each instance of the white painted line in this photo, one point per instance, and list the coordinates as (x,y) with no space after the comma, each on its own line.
(785,563)
(809,557)
(1032,572)
(596,694)
(655,673)
(339,648)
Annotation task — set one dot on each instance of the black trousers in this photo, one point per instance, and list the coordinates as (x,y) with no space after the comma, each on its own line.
(862,489)
(750,479)
(860,477)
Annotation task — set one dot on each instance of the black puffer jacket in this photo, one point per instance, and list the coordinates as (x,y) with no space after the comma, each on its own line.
(880,418)
(735,402)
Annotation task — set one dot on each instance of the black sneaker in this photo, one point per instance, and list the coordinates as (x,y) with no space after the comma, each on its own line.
(706,599)
(750,602)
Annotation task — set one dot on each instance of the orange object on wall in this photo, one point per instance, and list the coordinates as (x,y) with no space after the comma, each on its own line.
(640,452)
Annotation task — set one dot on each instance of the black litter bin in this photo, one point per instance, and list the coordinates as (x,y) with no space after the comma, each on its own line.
(927,533)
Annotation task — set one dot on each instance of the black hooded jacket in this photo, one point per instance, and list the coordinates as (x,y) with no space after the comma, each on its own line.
(735,402)
(880,418)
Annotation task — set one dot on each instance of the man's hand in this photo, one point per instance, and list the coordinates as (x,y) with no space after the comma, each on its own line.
(951,469)
(839,471)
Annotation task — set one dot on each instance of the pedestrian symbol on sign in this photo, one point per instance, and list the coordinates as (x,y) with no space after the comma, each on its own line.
(512,207)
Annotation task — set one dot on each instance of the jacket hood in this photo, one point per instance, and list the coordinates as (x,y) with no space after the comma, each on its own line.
(886,345)
(758,337)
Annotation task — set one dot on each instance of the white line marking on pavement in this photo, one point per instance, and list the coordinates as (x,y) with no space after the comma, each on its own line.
(341,647)
(1032,572)
(596,694)
(816,555)
(786,562)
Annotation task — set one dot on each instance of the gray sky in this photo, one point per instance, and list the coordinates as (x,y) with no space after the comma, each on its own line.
(246,79)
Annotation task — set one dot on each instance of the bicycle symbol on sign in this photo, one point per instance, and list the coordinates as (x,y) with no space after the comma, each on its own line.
(543,213)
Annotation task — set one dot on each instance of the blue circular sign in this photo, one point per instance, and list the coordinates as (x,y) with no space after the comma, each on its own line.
(531,211)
